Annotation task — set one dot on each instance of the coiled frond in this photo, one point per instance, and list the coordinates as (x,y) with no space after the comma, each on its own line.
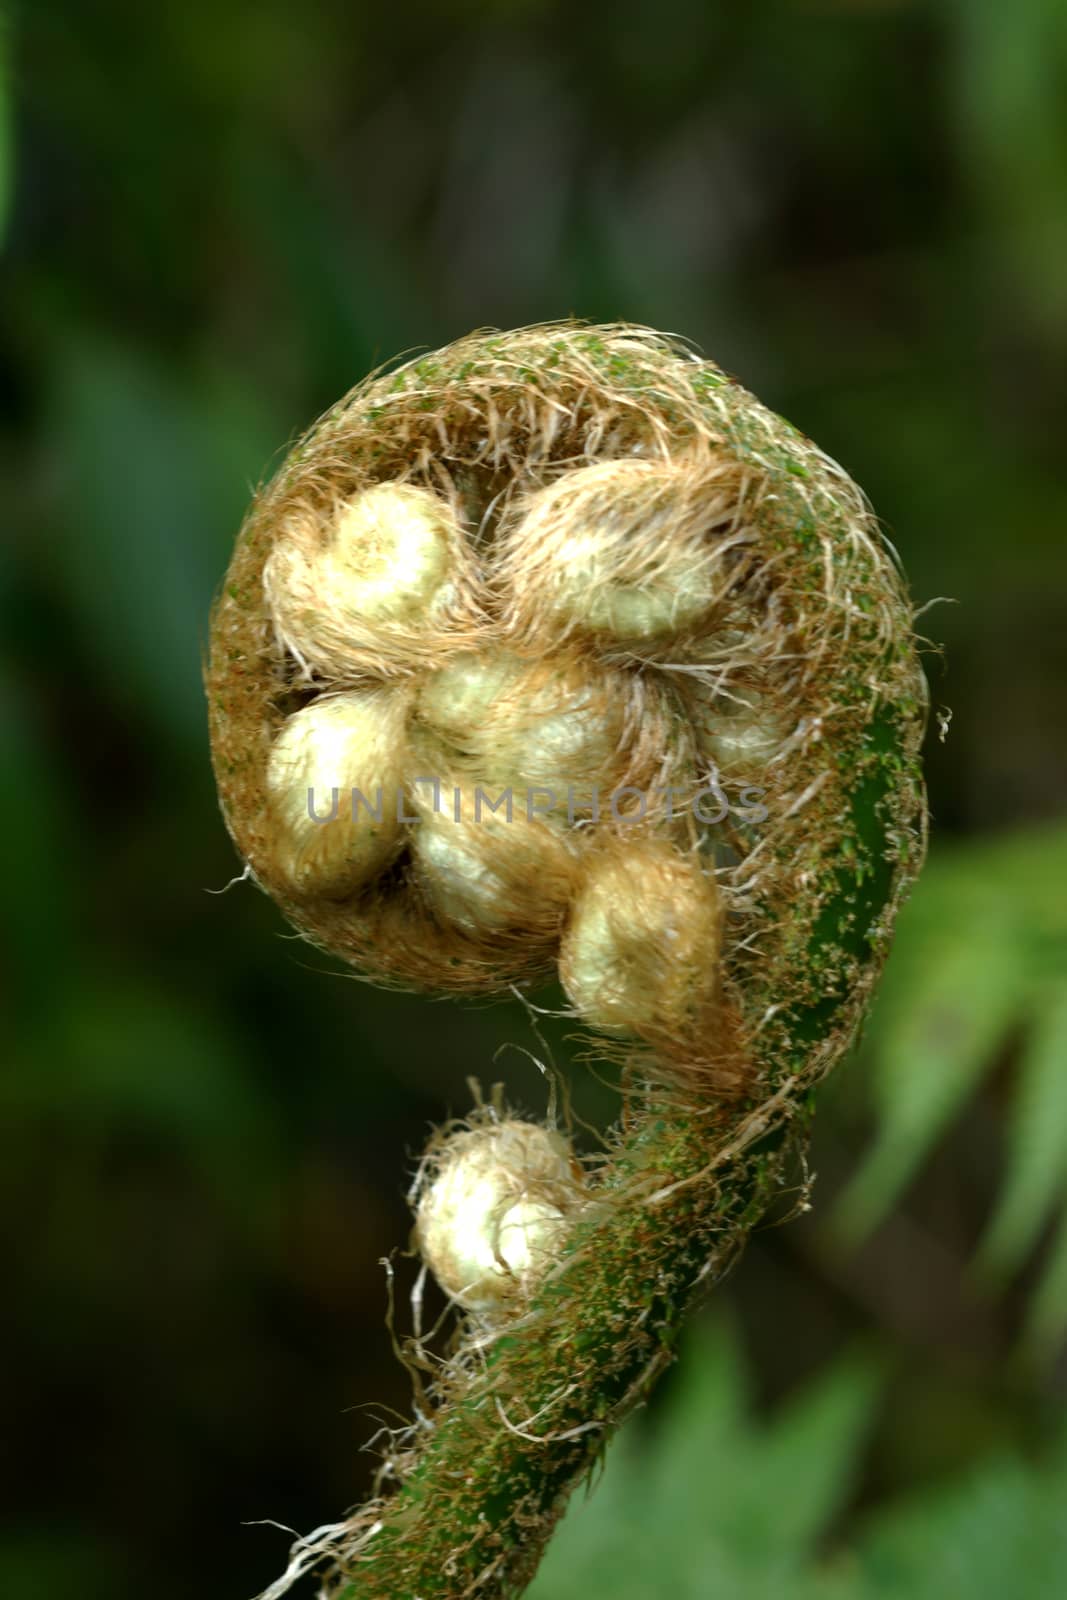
(584,662)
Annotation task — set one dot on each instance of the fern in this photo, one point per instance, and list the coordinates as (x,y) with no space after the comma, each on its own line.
(980,963)
(728,1505)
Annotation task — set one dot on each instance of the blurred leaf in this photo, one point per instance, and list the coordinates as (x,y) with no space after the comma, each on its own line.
(1011,72)
(121,1050)
(117,1057)
(715,1502)
(1036,1174)
(808,1457)
(154,481)
(1047,1314)
(1000,1532)
(980,955)
(36,814)
(357,299)
(935,1042)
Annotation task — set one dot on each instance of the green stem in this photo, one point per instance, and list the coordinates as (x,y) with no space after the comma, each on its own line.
(519,1423)
(474,1514)
(518,1417)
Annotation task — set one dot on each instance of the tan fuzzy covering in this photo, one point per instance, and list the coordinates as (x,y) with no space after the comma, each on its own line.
(651,572)
(624,517)
(469,1183)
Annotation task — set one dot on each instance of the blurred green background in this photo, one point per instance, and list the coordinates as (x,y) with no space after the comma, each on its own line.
(217,217)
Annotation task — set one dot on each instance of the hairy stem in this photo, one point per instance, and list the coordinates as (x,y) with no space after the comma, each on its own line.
(474,1514)
(616,540)
(516,1430)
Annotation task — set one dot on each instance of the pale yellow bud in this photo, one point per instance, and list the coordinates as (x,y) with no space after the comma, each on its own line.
(641,949)
(630,551)
(334,777)
(485,870)
(457,700)
(737,733)
(389,556)
(383,571)
(510,722)
(493,1209)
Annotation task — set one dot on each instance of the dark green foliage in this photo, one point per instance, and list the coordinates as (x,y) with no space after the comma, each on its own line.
(709,1500)
(221,214)
(980,972)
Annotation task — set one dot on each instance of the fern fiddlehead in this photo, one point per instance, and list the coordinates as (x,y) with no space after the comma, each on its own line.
(555,651)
